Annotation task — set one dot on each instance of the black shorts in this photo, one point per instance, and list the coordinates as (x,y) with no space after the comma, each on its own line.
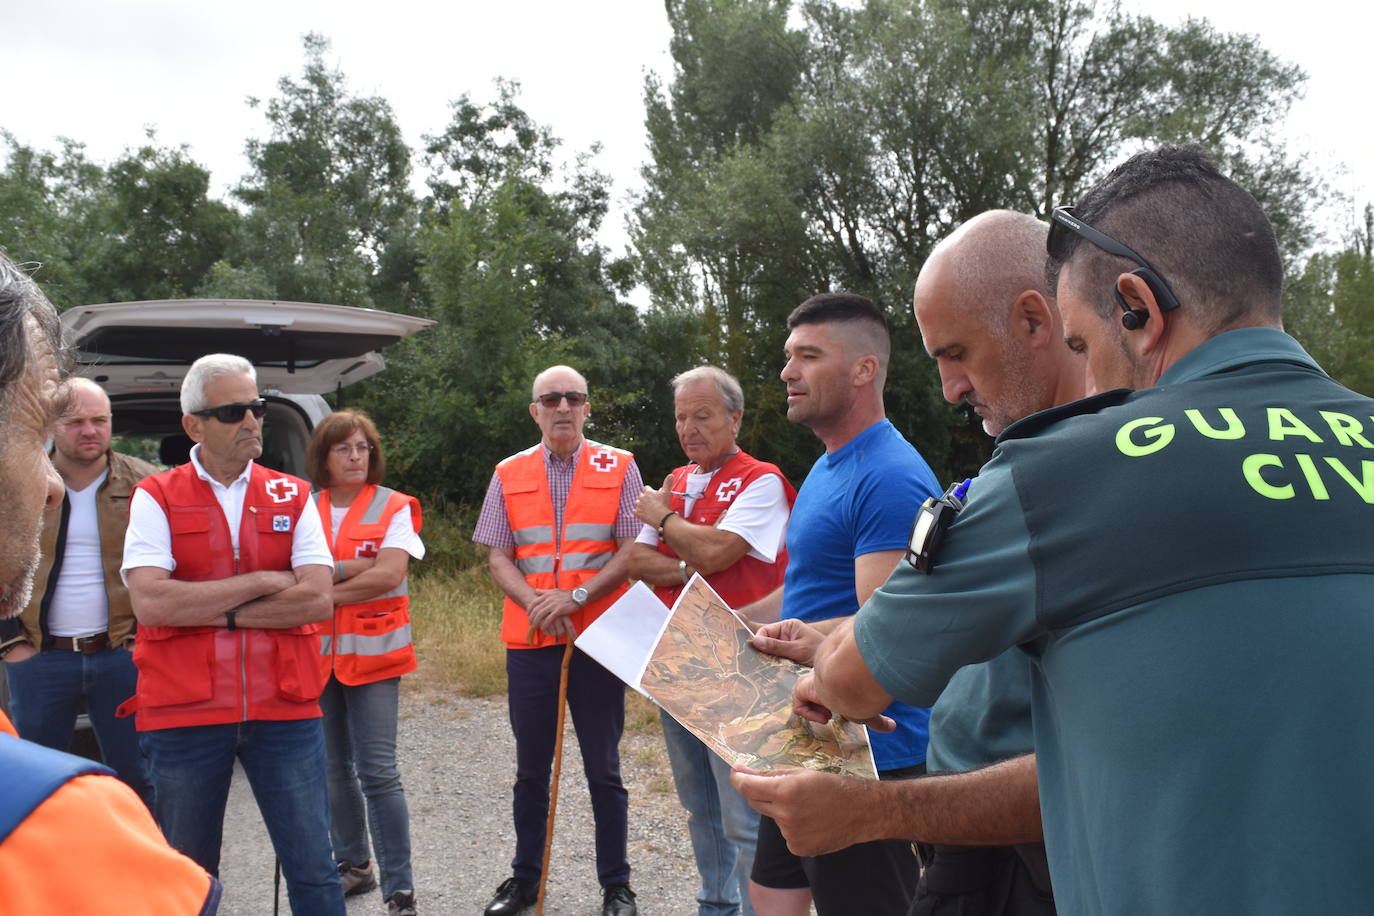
(871,878)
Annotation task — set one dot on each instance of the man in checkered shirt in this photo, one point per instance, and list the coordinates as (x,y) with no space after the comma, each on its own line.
(559,521)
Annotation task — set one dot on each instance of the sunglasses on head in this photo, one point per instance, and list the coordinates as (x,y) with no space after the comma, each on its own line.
(1064,222)
(233,413)
(552,399)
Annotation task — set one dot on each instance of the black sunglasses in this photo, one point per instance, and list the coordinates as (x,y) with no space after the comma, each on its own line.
(554,398)
(1062,222)
(233,413)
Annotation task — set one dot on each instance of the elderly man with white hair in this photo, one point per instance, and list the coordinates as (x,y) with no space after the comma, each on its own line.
(723,515)
(230,575)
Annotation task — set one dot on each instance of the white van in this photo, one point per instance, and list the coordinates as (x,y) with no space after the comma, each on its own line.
(139,352)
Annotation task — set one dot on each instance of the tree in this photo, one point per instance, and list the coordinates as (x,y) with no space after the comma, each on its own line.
(330,216)
(517,283)
(905,119)
(1329,307)
(143,227)
(155,233)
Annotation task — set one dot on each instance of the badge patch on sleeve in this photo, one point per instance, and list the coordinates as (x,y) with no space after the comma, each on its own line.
(281,523)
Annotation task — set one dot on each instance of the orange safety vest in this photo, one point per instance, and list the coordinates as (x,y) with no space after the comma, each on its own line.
(749,579)
(82,842)
(214,675)
(561,559)
(371,640)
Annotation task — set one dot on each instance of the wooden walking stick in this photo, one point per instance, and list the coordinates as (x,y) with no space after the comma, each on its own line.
(557,768)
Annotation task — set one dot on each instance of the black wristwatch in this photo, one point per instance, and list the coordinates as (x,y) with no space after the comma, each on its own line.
(579,595)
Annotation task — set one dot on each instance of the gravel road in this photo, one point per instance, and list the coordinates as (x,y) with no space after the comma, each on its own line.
(457,763)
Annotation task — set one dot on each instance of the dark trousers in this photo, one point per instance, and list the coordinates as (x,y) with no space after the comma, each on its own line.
(877,878)
(985,881)
(596,699)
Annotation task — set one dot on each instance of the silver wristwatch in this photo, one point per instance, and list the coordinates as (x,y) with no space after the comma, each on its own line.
(579,595)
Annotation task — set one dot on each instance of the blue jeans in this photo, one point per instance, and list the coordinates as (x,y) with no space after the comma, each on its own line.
(360,738)
(191,768)
(45,698)
(724,829)
(596,700)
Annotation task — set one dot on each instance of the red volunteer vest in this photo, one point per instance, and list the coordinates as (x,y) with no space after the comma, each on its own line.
(750,578)
(214,675)
(568,558)
(370,640)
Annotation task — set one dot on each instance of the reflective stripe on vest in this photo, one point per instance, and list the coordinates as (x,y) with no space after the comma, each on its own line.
(357,644)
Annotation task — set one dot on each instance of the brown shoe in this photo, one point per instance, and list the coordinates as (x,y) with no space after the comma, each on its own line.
(357,879)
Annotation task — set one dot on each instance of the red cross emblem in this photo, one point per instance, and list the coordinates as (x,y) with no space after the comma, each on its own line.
(729,489)
(605,459)
(281,490)
(366,549)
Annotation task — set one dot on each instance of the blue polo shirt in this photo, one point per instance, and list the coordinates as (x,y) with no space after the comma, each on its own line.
(861,498)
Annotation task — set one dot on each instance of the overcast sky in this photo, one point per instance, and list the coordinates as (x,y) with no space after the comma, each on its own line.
(100,71)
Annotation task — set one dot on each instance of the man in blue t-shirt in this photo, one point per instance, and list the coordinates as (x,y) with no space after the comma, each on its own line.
(848,529)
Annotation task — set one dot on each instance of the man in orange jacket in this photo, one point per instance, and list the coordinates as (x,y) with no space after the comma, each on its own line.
(559,519)
(73,839)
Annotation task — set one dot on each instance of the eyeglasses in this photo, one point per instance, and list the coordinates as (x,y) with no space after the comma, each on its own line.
(233,413)
(1063,221)
(344,450)
(552,399)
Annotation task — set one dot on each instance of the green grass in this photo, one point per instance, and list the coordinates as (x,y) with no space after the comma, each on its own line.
(457,623)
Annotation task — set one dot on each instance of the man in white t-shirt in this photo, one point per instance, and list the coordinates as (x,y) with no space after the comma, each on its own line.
(723,515)
(71,645)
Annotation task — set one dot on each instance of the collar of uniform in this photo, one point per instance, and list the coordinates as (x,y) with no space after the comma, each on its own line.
(200,471)
(1232,349)
(551,458)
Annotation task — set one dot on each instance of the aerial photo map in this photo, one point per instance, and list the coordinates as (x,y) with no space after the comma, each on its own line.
(738,700)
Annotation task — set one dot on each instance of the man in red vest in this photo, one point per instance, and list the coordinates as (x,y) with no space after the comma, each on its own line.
(723,515)
(73,838)
(559,519)
(230,576)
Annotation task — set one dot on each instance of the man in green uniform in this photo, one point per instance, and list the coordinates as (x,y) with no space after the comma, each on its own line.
(1187,566)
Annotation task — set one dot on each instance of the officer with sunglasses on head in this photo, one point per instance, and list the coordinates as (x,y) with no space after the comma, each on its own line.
(1184,559)
(230,575)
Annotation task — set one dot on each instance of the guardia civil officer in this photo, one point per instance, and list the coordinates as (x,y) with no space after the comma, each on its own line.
(1187,566)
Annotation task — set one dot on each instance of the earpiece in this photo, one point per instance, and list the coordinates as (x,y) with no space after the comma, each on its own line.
(1134,319)
(1131,319)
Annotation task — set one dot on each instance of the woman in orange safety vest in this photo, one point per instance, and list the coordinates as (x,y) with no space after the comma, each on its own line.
(373,532)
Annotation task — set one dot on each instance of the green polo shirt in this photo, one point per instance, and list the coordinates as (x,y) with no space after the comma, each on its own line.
(1188,571)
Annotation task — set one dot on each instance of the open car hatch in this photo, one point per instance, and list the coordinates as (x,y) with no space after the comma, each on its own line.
(297,347)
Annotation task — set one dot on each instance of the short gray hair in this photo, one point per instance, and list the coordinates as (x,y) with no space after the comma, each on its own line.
(731,394)
(204,371)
